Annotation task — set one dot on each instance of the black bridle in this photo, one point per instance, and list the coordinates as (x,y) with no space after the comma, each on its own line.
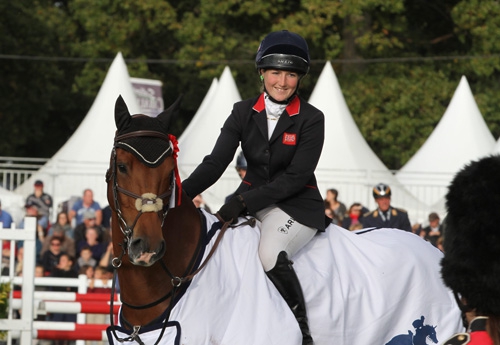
(145,199)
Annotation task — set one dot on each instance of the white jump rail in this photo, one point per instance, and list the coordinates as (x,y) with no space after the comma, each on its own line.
(24,325)
(89,307)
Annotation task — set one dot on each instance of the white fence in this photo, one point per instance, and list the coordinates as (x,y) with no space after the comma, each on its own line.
(31,303)
(24,325)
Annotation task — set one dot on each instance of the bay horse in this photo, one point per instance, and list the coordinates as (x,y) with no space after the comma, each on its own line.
(181,282)
(155,241)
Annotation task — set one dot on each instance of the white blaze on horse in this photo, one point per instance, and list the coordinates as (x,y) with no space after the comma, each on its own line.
(185,279)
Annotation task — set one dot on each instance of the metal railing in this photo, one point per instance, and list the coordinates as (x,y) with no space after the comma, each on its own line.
(15,170)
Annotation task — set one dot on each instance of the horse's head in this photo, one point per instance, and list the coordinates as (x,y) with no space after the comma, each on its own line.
(142,182)
(431,333)
(425,333)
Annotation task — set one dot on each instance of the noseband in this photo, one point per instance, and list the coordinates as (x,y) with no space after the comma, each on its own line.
(147,202)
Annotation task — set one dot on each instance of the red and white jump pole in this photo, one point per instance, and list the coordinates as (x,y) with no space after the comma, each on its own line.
(68,296)
(89,307)
(67,331)
(86,307)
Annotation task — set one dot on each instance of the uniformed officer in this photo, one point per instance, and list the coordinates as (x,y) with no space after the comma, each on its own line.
(386,216)
(471,263)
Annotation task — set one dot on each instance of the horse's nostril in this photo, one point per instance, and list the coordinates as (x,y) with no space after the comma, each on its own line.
(141,252)
(137,246)
(136,242)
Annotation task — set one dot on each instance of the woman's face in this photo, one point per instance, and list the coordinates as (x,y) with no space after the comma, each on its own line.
(280,85)
(356,210)
(330,195)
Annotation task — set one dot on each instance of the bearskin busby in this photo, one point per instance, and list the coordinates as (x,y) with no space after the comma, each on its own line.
(471,263)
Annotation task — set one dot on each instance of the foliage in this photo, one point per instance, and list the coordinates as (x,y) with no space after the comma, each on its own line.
(30,91)
(4,304)
(374,99)
(391,58)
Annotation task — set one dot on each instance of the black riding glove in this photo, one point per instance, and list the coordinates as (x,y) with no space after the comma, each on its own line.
(230,211)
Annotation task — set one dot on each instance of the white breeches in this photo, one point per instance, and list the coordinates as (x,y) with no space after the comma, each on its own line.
(280,232)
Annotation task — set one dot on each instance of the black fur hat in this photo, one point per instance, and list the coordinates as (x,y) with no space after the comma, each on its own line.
(471,263)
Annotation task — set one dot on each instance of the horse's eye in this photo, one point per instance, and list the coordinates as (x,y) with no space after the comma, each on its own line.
(122,168)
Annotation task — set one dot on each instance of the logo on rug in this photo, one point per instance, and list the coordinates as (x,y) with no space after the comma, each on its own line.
(422,333)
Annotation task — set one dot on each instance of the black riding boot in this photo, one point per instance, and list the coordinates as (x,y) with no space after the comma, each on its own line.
(286,281)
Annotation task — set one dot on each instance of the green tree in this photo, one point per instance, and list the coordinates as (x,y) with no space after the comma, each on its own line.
(33,92)
(391,58)
(397,104)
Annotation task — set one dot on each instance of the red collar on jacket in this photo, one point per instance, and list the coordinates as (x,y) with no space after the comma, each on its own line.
(292,108)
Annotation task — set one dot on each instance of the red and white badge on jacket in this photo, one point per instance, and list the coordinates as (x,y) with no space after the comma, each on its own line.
(289,138)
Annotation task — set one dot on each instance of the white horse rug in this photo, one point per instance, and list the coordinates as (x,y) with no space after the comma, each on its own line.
(374,286)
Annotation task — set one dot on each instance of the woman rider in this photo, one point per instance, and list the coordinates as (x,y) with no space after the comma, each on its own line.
(281,136)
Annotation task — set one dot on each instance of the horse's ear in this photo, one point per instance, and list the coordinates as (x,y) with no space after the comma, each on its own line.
(168,115)
(122,115)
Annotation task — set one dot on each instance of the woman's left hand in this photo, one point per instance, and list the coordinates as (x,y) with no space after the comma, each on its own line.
(230,211)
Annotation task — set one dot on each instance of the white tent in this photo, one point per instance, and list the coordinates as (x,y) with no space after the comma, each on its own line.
(347,162)
(460,136)
(83,160)
(496,149)
(440,204)
(200,136)
(193,126)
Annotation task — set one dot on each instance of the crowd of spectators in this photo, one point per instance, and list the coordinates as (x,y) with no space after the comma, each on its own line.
(74,240)
(357,216)
(77,241)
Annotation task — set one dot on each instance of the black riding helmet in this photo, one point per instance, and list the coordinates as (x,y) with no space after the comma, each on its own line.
(283,50)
